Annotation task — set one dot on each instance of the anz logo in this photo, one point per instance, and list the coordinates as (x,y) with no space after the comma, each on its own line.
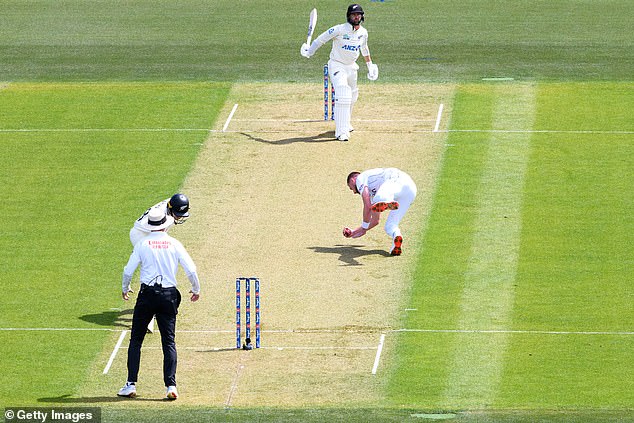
(350,48)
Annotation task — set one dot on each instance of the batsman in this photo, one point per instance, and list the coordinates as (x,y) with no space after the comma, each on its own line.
(348,40)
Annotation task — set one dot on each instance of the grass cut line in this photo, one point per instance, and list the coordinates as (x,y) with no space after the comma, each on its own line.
(235,107)
(488,293)
(114,352)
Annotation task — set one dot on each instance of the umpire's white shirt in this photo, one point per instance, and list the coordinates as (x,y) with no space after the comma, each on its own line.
(159,256)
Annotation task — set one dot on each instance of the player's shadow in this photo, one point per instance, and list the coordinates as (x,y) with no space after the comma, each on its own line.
(68,399)
(328,136)
(115,318)
(349,253)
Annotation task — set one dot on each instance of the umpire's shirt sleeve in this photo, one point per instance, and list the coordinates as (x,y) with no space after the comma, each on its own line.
(190,268)
(129,269)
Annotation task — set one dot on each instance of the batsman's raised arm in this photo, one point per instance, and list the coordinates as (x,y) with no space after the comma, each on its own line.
(308,50)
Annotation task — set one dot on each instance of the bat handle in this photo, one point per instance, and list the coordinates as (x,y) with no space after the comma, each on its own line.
(308,39)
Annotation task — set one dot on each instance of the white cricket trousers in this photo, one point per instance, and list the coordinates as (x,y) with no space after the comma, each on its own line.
(400,188)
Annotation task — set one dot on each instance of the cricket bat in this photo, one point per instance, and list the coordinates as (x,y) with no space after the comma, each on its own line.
(311,25)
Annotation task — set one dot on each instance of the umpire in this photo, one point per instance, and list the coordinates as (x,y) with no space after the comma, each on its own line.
(159,256)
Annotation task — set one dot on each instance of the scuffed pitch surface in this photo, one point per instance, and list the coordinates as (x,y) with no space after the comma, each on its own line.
(269,199)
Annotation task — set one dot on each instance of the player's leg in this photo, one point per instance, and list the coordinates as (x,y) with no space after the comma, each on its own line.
(343,101)
(405,194)
(384,199)
(166,320)
(352,80)
(143,311)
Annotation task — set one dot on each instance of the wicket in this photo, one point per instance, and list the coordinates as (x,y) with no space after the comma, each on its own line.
(247,315)
(332,91)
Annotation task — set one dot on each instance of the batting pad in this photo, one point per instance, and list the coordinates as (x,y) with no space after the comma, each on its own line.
(343,103)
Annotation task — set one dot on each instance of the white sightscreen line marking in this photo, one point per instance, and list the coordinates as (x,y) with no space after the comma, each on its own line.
(439,117)
(224,128)
(379,350)
(114,352)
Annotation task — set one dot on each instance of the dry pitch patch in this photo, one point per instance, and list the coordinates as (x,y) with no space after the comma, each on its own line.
(269,199)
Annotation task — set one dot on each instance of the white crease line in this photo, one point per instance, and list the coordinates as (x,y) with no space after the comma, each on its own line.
(325,331)
(306,131)
(234,385)
(541,131)
(278,348)
(61,329)
(317,120)
(438,117)
(114,352)
(518,332)
(107,130)
(224,128)
(378,354)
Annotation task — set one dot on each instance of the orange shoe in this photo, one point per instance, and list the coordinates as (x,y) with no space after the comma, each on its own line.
(381,207)
(396,248)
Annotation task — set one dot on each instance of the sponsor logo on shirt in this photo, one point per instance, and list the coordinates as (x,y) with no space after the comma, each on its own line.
(350,48)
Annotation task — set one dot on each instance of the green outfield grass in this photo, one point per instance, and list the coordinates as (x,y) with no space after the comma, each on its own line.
(222,40)
(570,271)
(79,167)
(104,106)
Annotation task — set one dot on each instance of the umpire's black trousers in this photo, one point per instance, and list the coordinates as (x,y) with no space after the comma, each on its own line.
(162,303)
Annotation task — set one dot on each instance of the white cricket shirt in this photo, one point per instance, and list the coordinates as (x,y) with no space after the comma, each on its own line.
(159,256)
(374,178)
(141,223)
(346,43)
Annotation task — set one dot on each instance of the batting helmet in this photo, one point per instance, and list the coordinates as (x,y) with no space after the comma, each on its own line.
(354,8)
(178,206)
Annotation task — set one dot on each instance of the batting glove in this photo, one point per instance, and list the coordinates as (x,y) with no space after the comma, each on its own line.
(304,51)
(373,71)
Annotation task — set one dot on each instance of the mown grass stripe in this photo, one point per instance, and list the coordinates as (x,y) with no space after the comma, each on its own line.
(487,297)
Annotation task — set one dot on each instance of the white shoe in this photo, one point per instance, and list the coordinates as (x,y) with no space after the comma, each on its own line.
(150,326)
(128,390)
(172,393)
(344,137)
(350,128)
